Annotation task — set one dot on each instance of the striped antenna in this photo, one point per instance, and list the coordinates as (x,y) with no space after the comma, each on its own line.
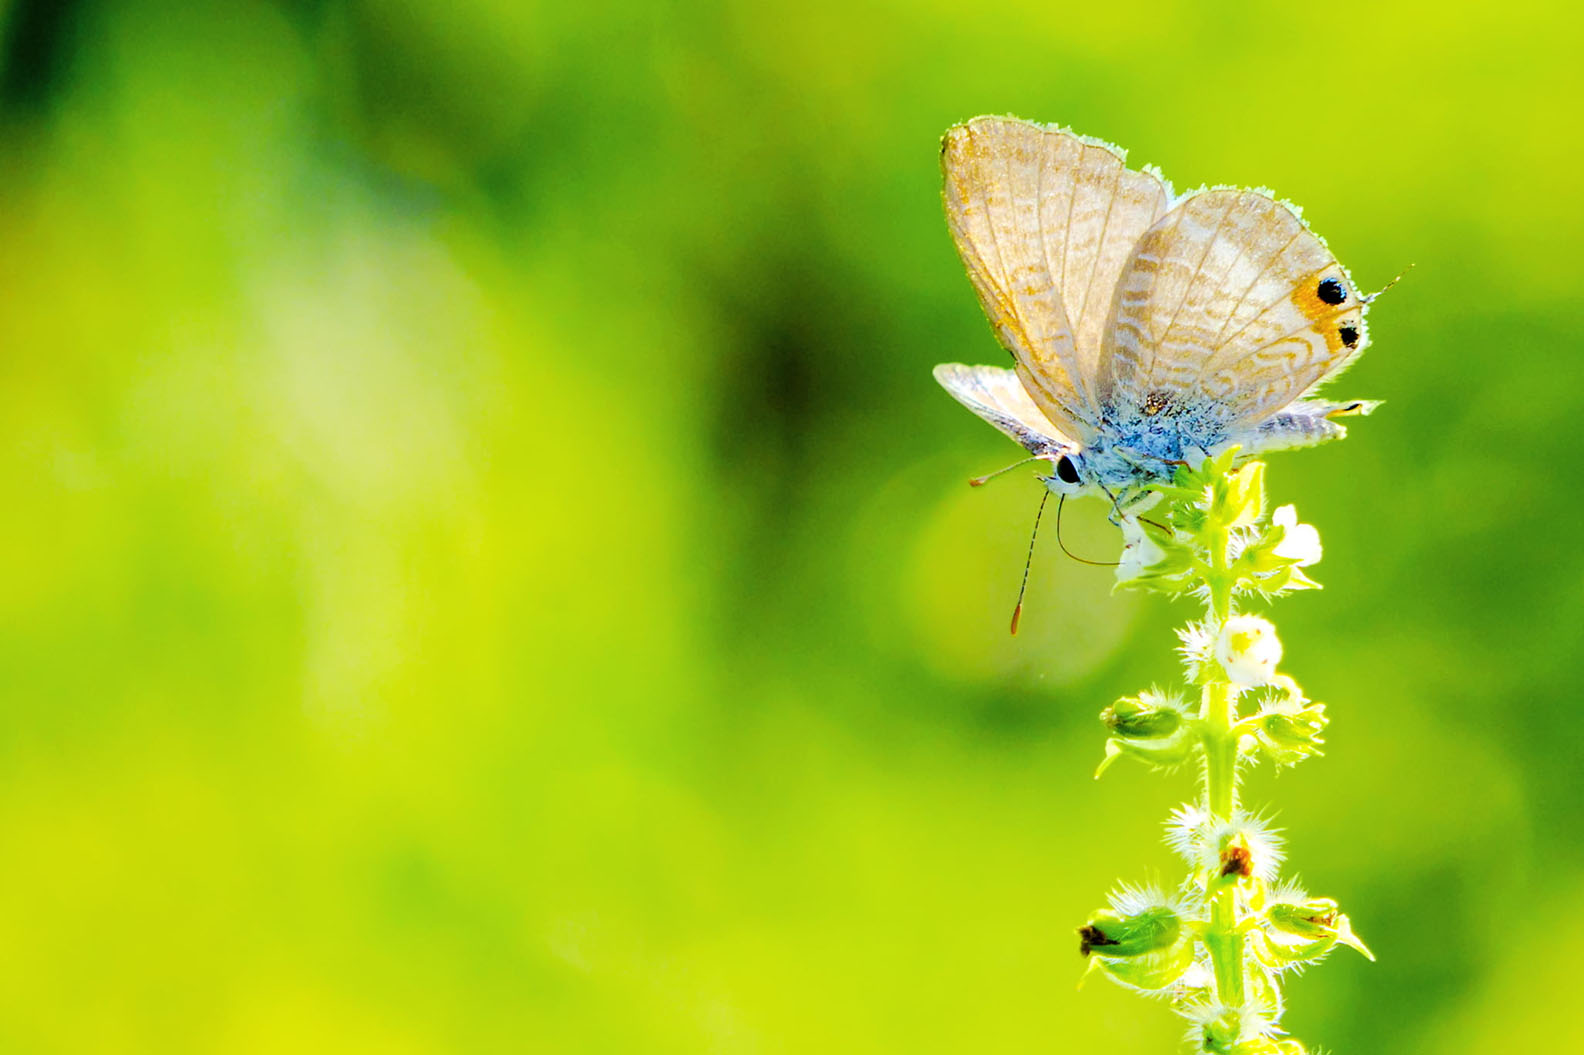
(980,481)
(1371,298)
(1017,610)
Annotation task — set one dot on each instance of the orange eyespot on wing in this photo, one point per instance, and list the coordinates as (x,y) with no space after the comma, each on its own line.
(1321,295)
(1229,301)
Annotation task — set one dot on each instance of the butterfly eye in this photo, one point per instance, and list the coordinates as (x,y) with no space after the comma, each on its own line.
(1331,291)
(1066,471)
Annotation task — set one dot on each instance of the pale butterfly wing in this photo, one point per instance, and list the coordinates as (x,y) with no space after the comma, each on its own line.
(1305,423)
(1045,220)
(997,395)
(1229,305)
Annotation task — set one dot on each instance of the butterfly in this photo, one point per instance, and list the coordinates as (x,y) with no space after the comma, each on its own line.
(1148,329)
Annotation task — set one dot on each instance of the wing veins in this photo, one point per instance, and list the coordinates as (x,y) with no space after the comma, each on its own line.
(1072,199)
(1311,325)
(1188,288)
(1028,345)
(1094,263)
(1228,338)
(1009,318)
(1009,298)
(1218,344)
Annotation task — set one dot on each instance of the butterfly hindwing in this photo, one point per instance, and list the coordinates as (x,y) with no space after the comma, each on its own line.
(1044,221)
(1228,302)
(1305,423)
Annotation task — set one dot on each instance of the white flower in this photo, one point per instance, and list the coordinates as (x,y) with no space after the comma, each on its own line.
(1300,542)
(1139,551)
(1248,650)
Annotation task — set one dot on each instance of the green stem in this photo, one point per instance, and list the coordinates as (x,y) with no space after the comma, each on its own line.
(1224,938)
(1220,712)
(1219,580)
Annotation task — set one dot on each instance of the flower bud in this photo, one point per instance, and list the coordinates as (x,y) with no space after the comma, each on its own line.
(1301,931)
(1222,1031)
(1240,1031)
(1248,650)
(1151,727)
(1289,732)
(1148,716)
(1114,934)
(1148,950)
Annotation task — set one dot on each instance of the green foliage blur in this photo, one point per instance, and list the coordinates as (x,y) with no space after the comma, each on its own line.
(485,567)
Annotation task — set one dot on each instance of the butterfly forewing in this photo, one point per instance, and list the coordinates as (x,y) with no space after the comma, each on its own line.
(999,397)
(1045,220)
(1228,303)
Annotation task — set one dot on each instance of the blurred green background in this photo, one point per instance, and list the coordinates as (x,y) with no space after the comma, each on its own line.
(485,567)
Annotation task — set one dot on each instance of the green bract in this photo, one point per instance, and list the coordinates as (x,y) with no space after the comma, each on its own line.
(1148,950)
(1220,949)
(1151,726)
(1147,716)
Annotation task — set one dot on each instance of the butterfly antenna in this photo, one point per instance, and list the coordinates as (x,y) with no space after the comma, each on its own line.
(1371,298)
(1070,553)
(1017,609)
(980,481)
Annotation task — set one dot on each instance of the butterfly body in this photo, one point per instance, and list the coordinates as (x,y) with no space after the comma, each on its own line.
(1147,329)
(1137,456)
